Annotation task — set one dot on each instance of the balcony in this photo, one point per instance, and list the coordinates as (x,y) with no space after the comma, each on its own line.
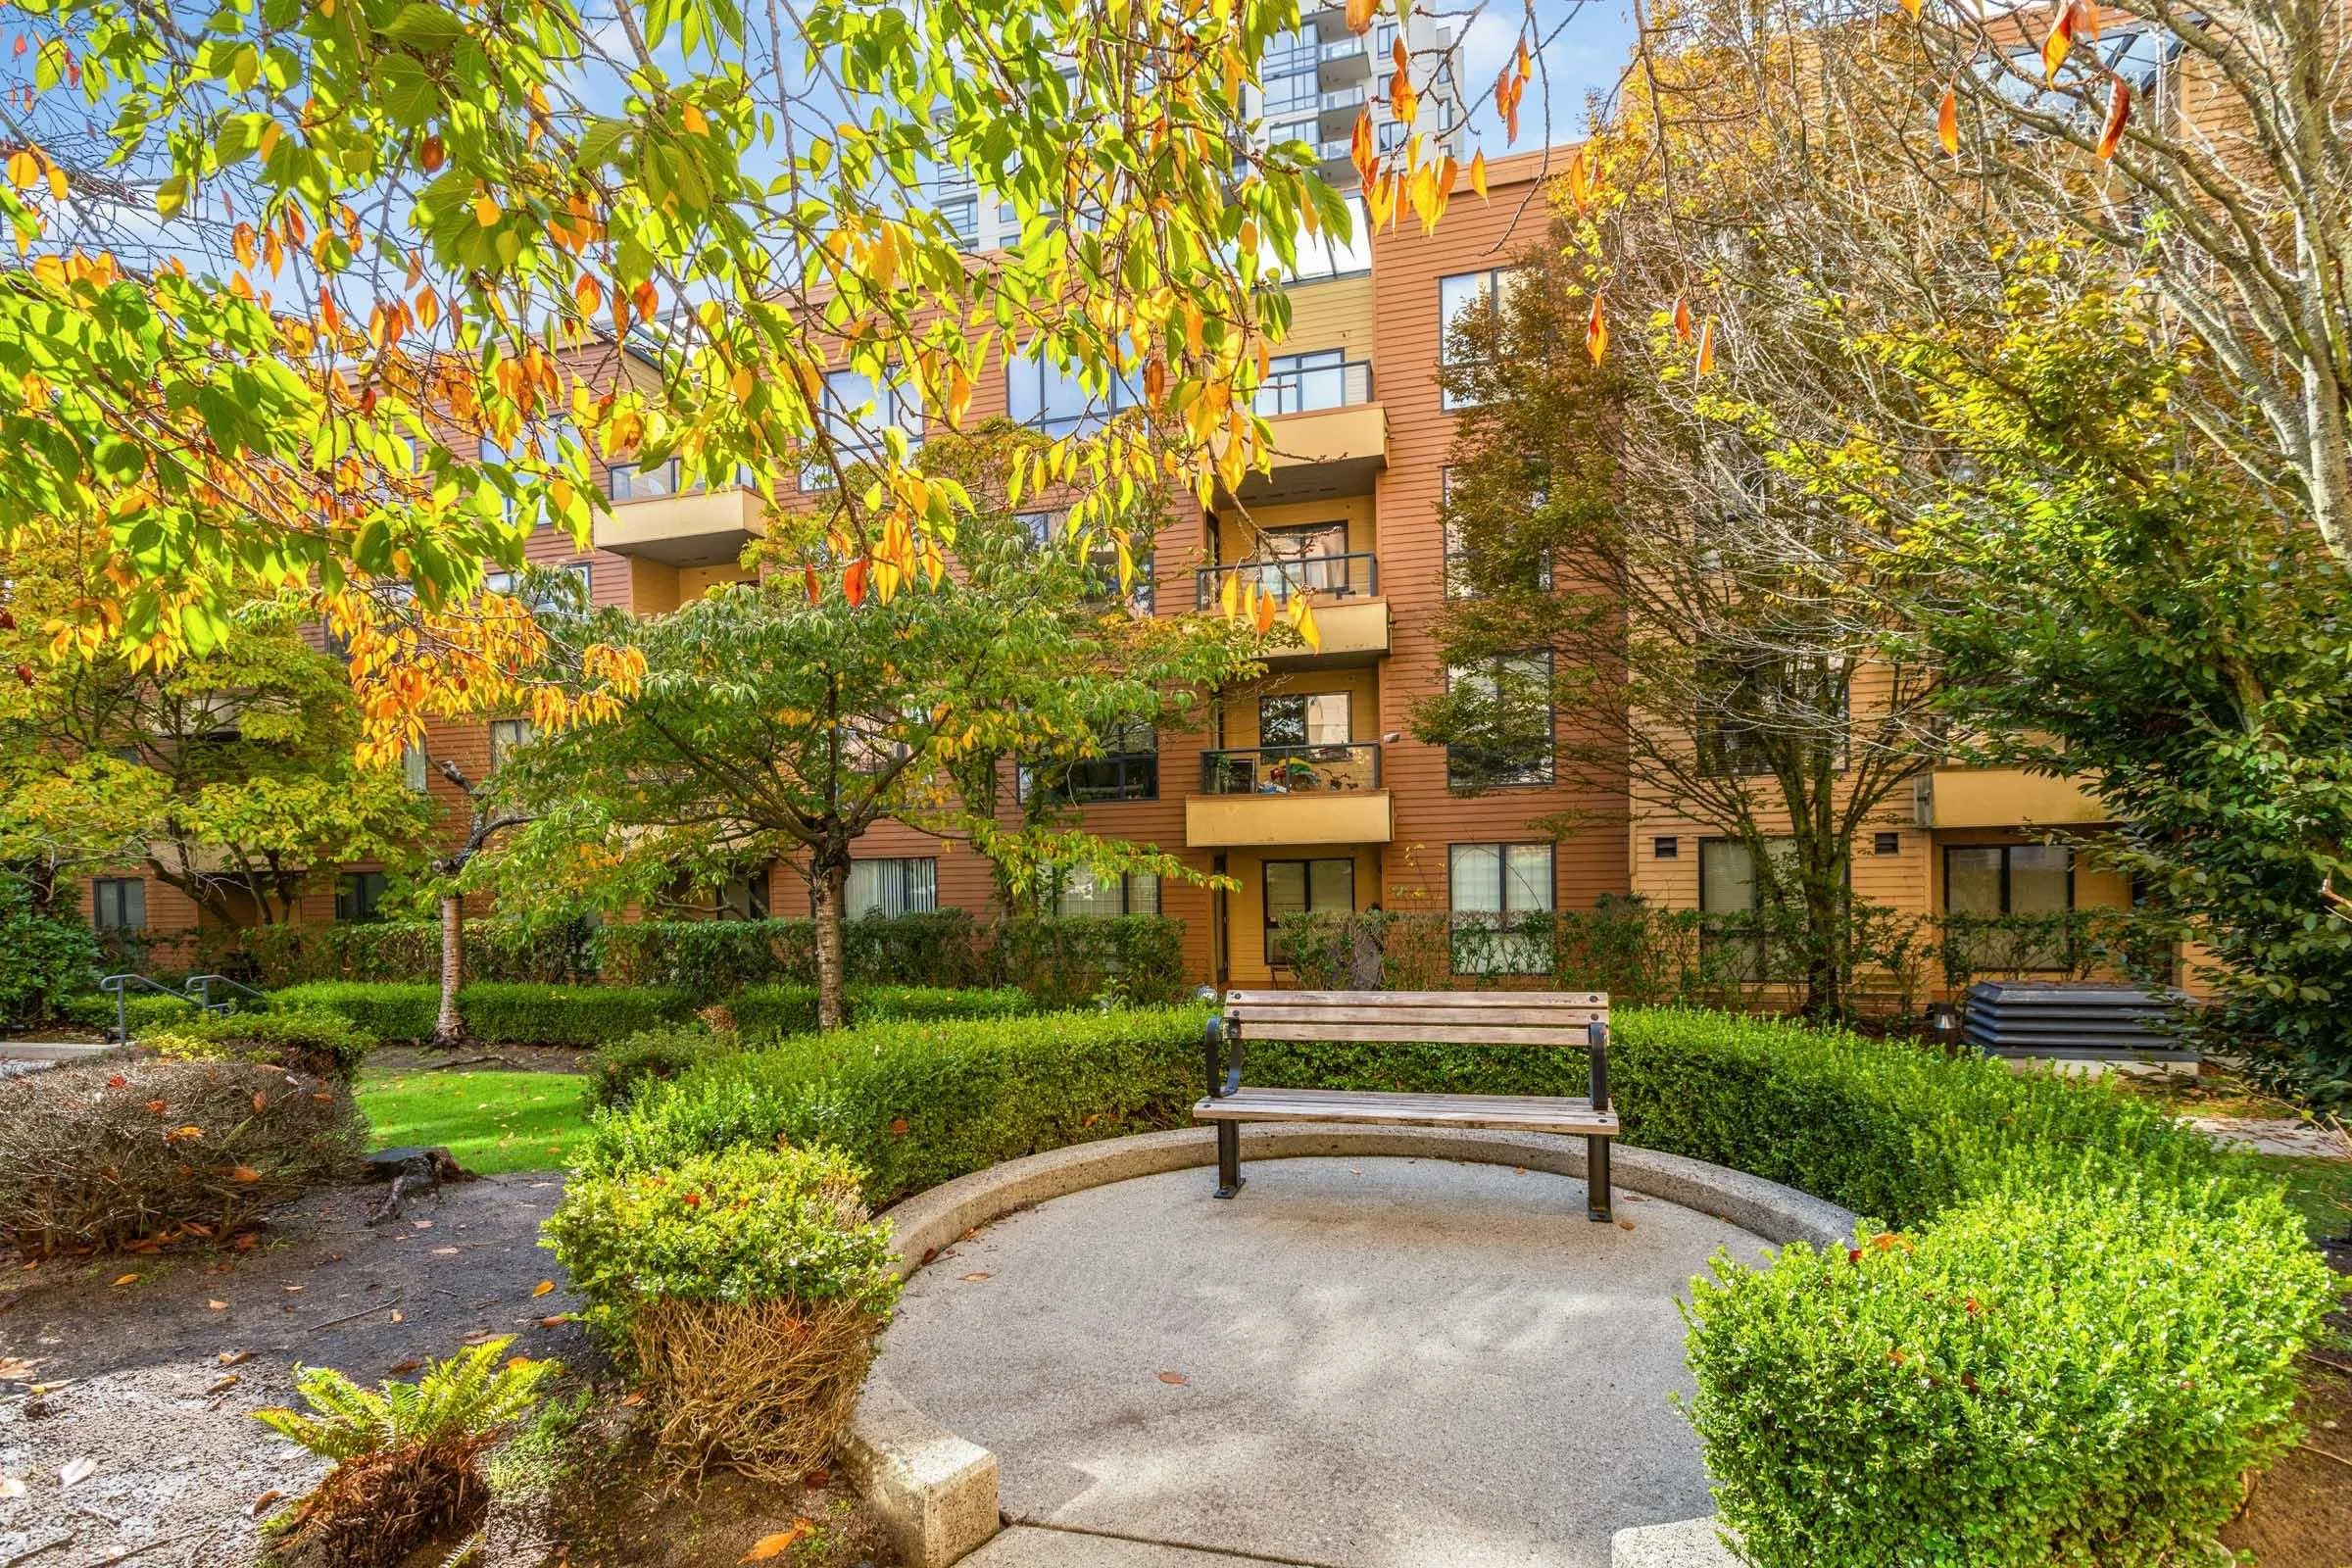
(654,516)
(1276,794)
(1339,109)
(1345,59)
(1351,620)
(2005,798)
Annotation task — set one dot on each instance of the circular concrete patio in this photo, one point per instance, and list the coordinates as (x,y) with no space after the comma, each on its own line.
(1361,1362)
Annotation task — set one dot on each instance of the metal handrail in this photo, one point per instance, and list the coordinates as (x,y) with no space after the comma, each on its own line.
(121,984)
(1315,388)
(201,987)
(1326,576)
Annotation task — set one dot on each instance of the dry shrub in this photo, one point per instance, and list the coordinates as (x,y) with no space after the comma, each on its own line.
(125,1152)
(761,1387)
(373,1511)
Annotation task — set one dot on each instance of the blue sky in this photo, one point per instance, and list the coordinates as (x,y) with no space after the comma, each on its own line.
(1590,40)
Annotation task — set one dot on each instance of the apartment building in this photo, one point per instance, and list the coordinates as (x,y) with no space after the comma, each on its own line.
(1306,788)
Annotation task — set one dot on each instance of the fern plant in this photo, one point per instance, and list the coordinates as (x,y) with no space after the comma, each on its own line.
(468,1397)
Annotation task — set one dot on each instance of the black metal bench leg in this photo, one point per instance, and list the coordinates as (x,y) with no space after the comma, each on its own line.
(1229,1158)
(1596,1180)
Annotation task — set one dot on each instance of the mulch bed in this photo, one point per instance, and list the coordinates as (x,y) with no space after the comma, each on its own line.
(138,1376)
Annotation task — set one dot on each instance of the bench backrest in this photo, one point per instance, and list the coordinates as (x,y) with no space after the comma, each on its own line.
(1428,1017)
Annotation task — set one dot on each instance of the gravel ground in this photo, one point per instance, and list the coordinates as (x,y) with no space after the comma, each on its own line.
(145,1386)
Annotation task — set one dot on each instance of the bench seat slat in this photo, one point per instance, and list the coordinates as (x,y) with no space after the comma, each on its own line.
(1562,1018)
(1456,1000)
(1527,1112)
(1453,1034)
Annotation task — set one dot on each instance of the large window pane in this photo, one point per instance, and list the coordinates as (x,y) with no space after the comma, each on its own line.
(1286,889)
(1529,886)
(1477,878)
(892,887)
(1972,879)
(1330,885)
(2039,877)
(1500,893)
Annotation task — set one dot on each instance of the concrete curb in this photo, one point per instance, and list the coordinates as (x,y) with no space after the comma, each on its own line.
(937,1494)
(1688,1544)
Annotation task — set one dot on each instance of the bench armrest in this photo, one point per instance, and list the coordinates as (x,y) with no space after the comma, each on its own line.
(1221,1044)
(1597,1040)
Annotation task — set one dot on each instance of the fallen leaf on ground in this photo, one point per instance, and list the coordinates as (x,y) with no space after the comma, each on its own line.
(399,1316)
(76,1472)
(421,1224)
(11,1486)
(398,1368)
(1171,1377)
(481,1336)
(818,1480)
(542,1286)
(217,1307)
(1624,1224)
(978,1276)
(128,1279)
(296,1289)
(782,1541)
(223,1385)
(633,1396)
(235,1357)
(261,1504)
(15,1370)
(556,1322)
(445,1252)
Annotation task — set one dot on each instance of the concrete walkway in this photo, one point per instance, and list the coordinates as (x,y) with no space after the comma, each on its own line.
(1359,1363)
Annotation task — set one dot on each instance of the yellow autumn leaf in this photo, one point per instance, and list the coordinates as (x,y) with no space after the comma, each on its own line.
(485,209)
(1478,172)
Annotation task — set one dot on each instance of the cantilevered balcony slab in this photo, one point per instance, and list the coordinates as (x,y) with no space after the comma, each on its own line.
(699,528)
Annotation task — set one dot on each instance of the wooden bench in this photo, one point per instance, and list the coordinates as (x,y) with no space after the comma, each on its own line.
(1579,1020)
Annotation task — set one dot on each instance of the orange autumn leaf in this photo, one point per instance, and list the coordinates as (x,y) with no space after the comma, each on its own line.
(1947,121)
(1361,12)
(542,1286)
(1597,332)
(588,294)
(1706,346)
(1911,7)
(2119,110)
(1579,183)
(2055,47)
(782,1541)
(1682,319)
(853,582)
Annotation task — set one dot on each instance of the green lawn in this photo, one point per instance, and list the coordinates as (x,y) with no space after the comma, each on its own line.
(490,1122)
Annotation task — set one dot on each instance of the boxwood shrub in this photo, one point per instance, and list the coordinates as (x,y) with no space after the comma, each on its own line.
(916,1104)
(2066,1329)
(326,1044)
(145,1009)
(499,1012)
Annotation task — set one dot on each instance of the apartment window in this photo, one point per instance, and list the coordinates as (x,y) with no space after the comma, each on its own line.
(1499,895)
(1746,704)
(415,768)
(1465,296)
(1310,719)
(1306,886)
(1455,576)
(359,897)
(118,903)
(1079,891)
(1886,844)
(530,457)
(1311,559)
(908,886)
(1731,898)
(1044,395)
(1666,847)
(2008,878)
(1519,751)
(963,218)
(1128,770)
(743,897)
(544,589)
(854,411)
(506,734)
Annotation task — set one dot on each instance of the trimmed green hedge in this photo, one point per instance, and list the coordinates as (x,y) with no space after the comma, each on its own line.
(919,1103)
(322,1044)
(2081,1334)
(500,1013)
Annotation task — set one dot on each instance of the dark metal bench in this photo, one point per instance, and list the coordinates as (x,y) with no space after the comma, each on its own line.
(1577,1019)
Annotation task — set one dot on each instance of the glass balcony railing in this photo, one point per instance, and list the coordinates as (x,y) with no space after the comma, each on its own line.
(1354,576)
(630,481)
(1336,769)
(1304,389)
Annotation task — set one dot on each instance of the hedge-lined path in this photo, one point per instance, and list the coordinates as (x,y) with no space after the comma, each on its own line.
(141,1390)
(1361,1362)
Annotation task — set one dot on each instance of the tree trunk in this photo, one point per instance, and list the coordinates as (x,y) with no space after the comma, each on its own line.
(449,1029)
(1828,944)
(829,881)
